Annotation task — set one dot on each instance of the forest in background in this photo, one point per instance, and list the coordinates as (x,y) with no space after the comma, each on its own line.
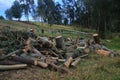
(102,15)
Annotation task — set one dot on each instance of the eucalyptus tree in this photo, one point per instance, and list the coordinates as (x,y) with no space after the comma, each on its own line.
(57,14)
(69,10)
(8,14)
(41,9)
(27,6)
(16,10)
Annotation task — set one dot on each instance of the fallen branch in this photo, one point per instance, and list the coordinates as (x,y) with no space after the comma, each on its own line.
(12,67)
(74,63)
(30,61)
(12,53)
(7,62)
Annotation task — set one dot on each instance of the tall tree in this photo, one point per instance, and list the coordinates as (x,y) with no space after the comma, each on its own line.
(100,15)
(69,9)
(27,6)
(49,11)
(57,14)
(8,14)
(1,17)
(16,10)
(34,13)
(41,9)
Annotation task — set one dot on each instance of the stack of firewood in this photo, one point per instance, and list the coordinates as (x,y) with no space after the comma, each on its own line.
(42,51)
(45,52)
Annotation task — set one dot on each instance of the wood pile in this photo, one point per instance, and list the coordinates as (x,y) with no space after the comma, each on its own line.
(18,50)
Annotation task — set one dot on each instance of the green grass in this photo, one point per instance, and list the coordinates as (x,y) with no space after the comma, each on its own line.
(113,43)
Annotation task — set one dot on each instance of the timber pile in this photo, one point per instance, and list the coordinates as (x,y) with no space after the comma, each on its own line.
(18,50)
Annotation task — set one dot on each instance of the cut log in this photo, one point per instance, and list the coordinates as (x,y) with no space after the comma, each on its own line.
(44,42)
(23,60)
(50,60)
(60,42)
(29,61)
(7,62)
(96,38)
(85,55)
(12,53)
(29,45)
(54,58)
(61,60)
(36,51)
(70,59)
(12,67)
(75,62)
(42,64)
(103,52)
(68,62)
(56,55)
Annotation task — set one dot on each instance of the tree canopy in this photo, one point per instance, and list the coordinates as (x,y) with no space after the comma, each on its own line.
(16,10)
(102,15)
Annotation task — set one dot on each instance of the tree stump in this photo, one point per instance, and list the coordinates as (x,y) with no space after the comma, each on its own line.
(96,38)
(60,42)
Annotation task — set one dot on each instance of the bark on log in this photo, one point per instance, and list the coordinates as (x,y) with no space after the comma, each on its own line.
(74,63)
(12,53)
(23,60)
(44,42)
(42,64)
(60,42)
(96,38)
(12,67)
(56,55)
(61,60)
(70,59)
(29,45)
(49,60)
(54,58)
(7,62)
(36,51)
(103,52)
(29,61)
(85,55)
(68,62)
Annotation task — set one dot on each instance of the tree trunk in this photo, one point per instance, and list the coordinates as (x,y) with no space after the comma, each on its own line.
(42,64)
(103,52)
(60,42)
(75,62)
(23,60)
(30,61)
(12,67)
(8,62)
(68,62)
(96,38)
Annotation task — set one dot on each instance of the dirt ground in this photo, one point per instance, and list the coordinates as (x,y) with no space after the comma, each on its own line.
(30,73)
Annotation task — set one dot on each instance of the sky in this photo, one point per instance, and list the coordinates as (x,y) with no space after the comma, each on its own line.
(6,4)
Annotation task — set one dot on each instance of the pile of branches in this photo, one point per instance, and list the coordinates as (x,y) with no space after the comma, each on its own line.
(11,39)
(18,51)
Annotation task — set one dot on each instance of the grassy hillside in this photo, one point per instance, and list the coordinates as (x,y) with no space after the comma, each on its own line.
(95,67)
